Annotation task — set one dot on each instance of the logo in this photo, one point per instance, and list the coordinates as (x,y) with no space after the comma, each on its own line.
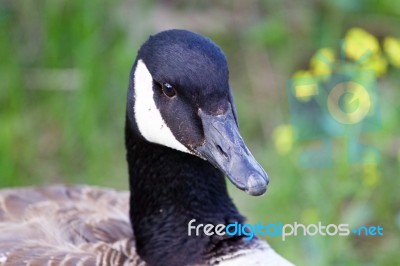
(342,103)
(281,230)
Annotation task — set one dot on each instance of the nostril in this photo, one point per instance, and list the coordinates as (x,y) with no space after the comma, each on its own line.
(221,151)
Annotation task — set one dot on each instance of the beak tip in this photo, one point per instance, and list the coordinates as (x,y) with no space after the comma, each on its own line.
(257,184)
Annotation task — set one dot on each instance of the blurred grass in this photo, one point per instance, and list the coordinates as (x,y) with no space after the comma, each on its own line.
(64,69)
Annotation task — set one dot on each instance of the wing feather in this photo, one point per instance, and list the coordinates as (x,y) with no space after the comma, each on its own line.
(65,225)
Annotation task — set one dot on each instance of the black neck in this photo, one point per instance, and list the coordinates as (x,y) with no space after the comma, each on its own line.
(168,189)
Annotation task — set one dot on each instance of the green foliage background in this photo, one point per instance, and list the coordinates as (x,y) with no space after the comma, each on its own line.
(64,67)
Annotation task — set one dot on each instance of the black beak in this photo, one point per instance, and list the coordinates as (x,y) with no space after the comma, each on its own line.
(225,149)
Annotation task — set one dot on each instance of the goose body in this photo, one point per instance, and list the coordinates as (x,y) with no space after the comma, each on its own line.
(181,138)
(61,225)
(84,225)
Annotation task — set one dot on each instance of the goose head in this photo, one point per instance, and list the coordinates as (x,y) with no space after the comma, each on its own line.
(179,97)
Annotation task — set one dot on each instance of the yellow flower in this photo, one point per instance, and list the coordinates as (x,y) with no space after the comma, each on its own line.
(376,63)
(371,174)
(391,46)
(359,43)
(302,74)
(322,62)
(305,85)
(283,139)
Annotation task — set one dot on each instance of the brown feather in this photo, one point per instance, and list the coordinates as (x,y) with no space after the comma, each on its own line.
(61,225)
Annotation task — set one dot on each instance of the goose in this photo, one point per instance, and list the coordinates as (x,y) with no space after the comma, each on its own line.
(182,139)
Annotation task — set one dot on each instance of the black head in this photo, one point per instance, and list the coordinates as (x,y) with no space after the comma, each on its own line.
(179,97)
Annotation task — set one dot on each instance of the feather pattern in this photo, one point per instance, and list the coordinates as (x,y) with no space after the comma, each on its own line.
(61,225)
(85,226)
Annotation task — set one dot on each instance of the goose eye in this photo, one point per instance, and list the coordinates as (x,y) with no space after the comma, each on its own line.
(168,90)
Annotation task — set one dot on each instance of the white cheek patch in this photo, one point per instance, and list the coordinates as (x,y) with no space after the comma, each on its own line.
(148,118)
